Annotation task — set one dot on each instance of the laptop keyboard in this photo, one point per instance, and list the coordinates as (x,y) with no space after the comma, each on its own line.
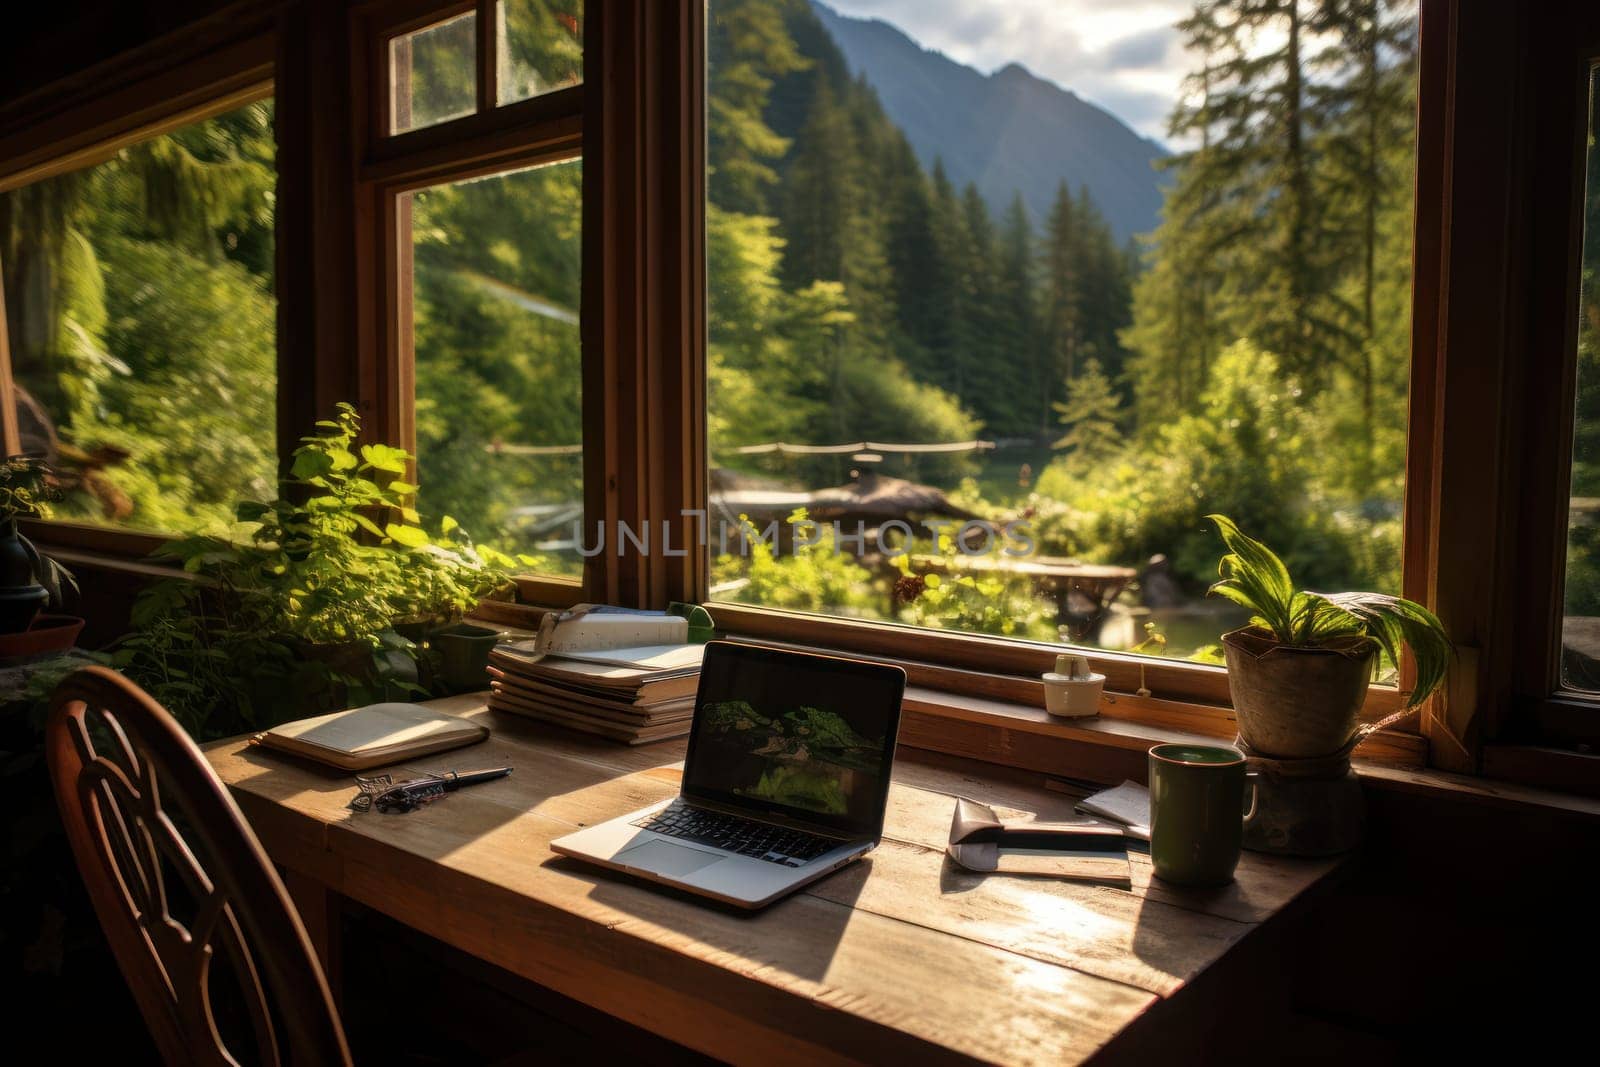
(734,833)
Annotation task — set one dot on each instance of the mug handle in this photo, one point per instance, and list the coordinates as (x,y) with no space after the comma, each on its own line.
(1252,779)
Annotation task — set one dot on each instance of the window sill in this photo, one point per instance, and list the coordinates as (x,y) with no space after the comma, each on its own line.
(109,543)
(999,718)
(1107,748)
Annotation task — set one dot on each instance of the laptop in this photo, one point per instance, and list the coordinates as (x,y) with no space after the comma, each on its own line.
(786,779)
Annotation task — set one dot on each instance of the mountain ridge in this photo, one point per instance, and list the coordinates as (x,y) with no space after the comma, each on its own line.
(1008,132)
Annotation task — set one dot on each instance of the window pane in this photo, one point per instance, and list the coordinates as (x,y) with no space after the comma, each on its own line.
(540,47)
(1580,631)
(433,74)
(1048,296)
(498,373)
(142,323)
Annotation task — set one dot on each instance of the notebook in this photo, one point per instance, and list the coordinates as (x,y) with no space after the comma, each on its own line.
(362,738)
(1079,852)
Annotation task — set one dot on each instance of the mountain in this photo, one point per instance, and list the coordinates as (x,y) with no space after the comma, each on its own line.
(1008,132)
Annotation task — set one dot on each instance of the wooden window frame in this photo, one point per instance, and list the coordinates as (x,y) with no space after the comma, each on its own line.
(1546,733)
(547,128)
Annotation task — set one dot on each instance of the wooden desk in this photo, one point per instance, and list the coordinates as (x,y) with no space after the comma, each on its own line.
(899,958)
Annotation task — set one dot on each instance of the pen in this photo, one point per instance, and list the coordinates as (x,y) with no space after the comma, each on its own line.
(407,796)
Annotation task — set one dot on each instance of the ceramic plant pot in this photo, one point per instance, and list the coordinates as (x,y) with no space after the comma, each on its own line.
(464,654)
(1296,703)
(21,595)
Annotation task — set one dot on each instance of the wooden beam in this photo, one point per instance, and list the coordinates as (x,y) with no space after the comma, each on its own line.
(317,260)
(99,126)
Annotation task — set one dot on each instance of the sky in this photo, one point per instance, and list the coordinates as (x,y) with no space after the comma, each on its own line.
(1123,55)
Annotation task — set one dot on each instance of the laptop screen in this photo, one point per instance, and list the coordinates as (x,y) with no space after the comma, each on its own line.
(806,737)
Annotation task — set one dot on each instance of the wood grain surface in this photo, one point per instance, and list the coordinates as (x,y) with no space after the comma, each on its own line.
(902,954)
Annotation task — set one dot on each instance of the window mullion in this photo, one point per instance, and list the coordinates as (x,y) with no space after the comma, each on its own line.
(643,314)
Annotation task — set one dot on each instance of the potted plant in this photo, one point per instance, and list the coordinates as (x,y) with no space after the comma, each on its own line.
(298,609)
(1299,672)
(30,582)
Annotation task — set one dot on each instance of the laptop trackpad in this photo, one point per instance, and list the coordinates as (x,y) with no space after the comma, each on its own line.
(664,857)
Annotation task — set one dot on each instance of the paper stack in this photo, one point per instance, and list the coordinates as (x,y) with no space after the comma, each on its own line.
(632,695)
(1127,805)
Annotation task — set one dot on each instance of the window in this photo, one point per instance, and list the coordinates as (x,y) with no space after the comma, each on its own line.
(1580,630)
(140,316)
(498,370)
(436,74)
(432,74)
(540,47)
(487,257)
(1003,337)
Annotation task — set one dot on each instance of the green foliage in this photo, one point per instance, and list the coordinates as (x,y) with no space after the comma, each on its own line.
(140,313)
(1254,577)
(1250,447)
(308,588)
(25,491)
(944,592)
(814,577)
(498,349)
(750,51)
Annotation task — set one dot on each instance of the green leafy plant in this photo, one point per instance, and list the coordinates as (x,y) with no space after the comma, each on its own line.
(298,608)
(1254,577)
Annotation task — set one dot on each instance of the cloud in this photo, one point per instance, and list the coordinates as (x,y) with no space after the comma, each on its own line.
(1147,48)
(1126,56)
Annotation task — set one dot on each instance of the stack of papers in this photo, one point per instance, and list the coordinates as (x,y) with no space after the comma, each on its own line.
(633,695)
(1127,805)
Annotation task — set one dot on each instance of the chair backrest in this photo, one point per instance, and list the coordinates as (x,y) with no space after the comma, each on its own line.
(201,925)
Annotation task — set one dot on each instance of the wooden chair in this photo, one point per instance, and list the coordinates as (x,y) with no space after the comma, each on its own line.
(187,897)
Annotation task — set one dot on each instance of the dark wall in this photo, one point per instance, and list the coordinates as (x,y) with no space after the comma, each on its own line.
(56,39)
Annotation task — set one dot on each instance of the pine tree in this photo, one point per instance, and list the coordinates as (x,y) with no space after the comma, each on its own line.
(1091,414)
(1062,298)
(749,49)
(1176,329)
(922,277)
(819,195)
(1017,325)
(1253,116)
(994,378)
(1103,295)
(1365,108)
(963,263)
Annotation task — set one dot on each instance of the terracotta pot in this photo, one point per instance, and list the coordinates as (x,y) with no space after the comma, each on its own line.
(50,633)
(1296,703)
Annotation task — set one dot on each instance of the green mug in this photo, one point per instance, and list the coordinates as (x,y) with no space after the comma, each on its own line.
(1197,812)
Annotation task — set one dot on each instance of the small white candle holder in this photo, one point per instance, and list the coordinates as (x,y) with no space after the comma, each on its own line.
(1072,691)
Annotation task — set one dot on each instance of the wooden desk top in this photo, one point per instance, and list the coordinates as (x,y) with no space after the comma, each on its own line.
(902,954)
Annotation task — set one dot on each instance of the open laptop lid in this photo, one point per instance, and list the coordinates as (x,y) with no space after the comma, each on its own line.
(806,738)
